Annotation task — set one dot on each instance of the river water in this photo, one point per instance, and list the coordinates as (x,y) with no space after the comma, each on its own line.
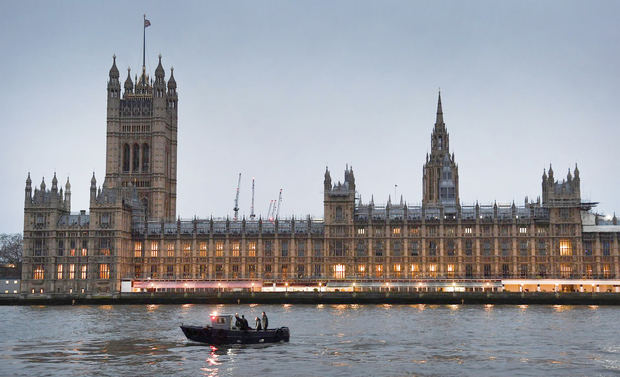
(326,340)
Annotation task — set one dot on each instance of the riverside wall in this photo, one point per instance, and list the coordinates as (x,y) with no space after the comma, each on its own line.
(328,298)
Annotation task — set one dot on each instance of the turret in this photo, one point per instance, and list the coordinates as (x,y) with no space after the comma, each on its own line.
(160,83)
(68,195)
(128,83)
(114,86)
(54,183)
(576,171)
(28,189)
(43,184)
(327,182)
(551,174)
(93,188)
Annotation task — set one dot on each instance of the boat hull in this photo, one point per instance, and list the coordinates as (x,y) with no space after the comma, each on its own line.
(210,335)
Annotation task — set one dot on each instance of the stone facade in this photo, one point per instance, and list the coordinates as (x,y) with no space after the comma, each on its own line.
(131,233)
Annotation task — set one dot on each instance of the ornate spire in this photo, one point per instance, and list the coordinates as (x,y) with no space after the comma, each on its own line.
(28,181)
(439,119)
(159,71)
(93,182)
(128,82)
(68,187)
(172,84)
(576,171)
(327,182)
(54,182)
(114,75)
(43,184)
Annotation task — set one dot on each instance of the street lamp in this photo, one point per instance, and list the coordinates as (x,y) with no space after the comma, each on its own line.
(286,287)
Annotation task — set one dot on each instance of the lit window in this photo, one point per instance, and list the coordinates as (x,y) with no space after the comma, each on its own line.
(235,248)
(219,248)
(38,273)
(203,249)
(83,272)
(606,271)
(72,271)
(415,269)
(396,231)
(468,230)
(432,269)
(104,271)
(565,270)
(361,231)
(450,269)
(339,271)
(361,268)
(566,248)
(137,249)
(397,268)
(6,291)
(379,270)
(154,248)
(58,272)
(252,248)
(187,249)
(523,230)
(170,248)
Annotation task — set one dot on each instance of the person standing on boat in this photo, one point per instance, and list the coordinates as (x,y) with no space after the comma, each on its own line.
(258,326)
(244,323)
(238,321)
(265,321)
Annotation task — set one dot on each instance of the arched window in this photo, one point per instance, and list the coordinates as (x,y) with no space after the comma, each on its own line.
(136,157)
(125,158)
(145,157)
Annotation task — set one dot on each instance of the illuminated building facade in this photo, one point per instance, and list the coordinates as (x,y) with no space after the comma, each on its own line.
(131,241)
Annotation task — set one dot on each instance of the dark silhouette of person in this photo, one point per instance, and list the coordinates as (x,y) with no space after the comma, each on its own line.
(244,323)
(238,321)
(258,326)
(265,321)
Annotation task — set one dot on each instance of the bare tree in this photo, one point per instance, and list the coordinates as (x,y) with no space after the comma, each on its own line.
(11,247)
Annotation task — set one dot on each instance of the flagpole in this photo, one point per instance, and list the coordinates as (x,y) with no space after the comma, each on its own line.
(143,41)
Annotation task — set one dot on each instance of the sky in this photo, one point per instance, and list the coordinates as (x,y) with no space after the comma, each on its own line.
(278,90)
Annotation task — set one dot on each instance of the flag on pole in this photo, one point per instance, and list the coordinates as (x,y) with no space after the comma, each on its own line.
(147,23)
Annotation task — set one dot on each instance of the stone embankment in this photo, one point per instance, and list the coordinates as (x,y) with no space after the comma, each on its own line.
(329,298)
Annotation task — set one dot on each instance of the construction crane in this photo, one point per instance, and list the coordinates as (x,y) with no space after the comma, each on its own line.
(252,215)
(279,204)
(236,208)
(269,210)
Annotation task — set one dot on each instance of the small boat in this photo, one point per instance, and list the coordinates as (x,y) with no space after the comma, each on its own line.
(223,330)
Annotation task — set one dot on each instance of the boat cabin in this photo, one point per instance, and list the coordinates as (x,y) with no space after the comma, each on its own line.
(226,322)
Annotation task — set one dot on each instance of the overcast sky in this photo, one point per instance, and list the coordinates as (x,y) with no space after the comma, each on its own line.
(280,89)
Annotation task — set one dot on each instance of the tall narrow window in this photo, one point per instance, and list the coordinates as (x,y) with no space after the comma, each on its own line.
(136,158)
(154,248)
(137,250)
(59,272)
(251,248)
(145,157)
(83,272)
(203,249)
(125,158)
(104,271)
(72,271)
(219,248)
(235,248)
(566,248)
(38,272)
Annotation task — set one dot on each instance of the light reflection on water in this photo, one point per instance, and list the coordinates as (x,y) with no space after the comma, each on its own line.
(485,340)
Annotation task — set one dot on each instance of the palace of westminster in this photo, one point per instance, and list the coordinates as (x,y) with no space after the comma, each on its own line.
(131,240)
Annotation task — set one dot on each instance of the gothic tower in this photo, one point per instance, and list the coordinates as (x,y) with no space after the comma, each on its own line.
(141,146)
(441,175)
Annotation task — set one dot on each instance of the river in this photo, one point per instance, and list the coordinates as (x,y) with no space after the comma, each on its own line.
(326,340)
